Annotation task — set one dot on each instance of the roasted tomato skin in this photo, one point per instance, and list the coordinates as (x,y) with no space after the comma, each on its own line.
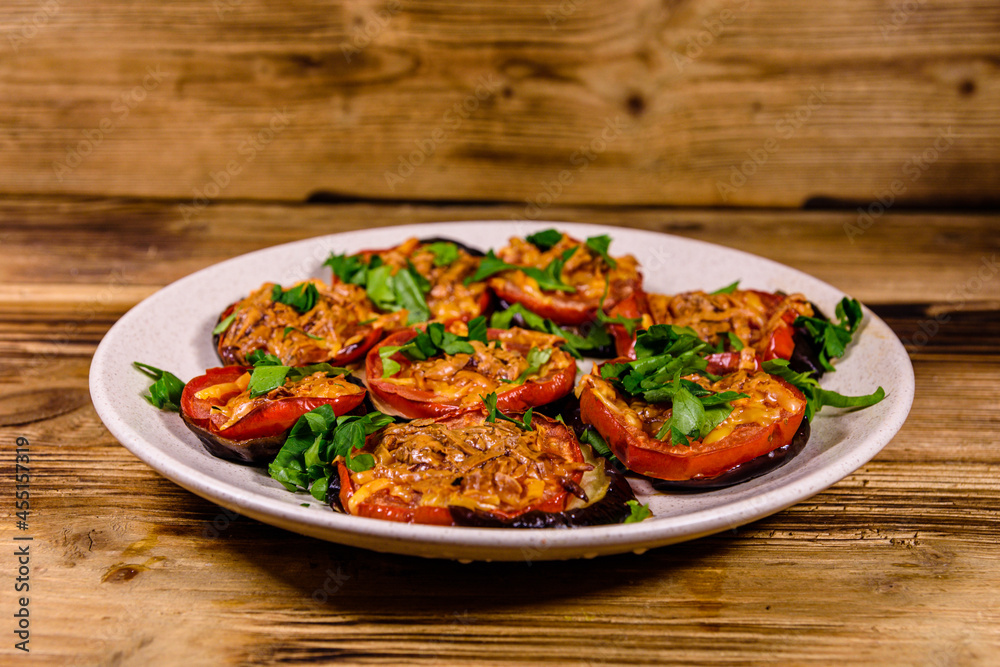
(415,403)
(646,455)
(258,436)
(566,309)
(562,439)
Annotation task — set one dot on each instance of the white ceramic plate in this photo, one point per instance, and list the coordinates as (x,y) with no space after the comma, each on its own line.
(170,330)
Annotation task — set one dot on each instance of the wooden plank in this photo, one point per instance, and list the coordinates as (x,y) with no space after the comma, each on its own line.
(633,101)
(119,247)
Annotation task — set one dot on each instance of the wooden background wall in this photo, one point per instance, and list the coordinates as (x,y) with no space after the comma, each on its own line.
(778,103)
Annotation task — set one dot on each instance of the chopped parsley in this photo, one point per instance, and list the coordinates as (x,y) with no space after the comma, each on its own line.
(549,278)
(434,340)
(596,338)
(305,461)
(665,353)
(493,413)
(165,392)
(224,324)
(728,289)
(389,290)
(302,297)
(445,253)
(833,337)
(816,396)
(268,373)
(600,245)
(537,357)
(637,512)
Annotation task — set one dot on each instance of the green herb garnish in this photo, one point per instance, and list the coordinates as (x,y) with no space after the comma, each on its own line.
(545,239)
(596,338)
(492,413)
(224,324)
(599,444)
(734,342)
(833,337)
(548,279)
(696,411)
(600,245)
(637,512)
(434,340)
(165,392)
(305,461)
(445,252)
(389,290)
(302,297)
(268,375)
(665,353)
(728,289)
(816,396)
(289,330)
(537,357)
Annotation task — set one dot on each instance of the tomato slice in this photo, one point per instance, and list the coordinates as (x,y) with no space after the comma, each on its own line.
(261,423)
(585,271)
(452,384)
(762,321)
(339,329)
(449,298)
(426,467)
(765,421)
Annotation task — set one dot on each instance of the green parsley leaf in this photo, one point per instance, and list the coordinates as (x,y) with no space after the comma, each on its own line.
(492,413)
(537,357)
(260,357)
(421,281)
(596,338)
(268,376)
(445,253)
(224,324)
(302,297)
(165,392)
(637,512)
(547,279)
(600,445)
(545,239)
(350,269)
(734,342)
(289,330)
(431,342)
(265,379)
(816,396)
(409,295)
(728,289)
(305,461)
(833,337)
(600,245)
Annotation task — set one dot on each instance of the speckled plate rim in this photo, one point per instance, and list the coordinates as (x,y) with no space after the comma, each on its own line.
(170,329)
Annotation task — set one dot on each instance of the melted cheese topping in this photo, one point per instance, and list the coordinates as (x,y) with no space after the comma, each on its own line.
(449,298)
(743,313)
(584,270)
(489,467)
(493,367)
(337,317)
(238,406)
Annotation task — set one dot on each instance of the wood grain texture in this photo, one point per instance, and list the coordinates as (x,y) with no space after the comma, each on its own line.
(631,101)
(896,564)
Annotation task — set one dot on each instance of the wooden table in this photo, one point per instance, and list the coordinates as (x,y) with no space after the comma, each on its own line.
(142,141)
(896,564)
